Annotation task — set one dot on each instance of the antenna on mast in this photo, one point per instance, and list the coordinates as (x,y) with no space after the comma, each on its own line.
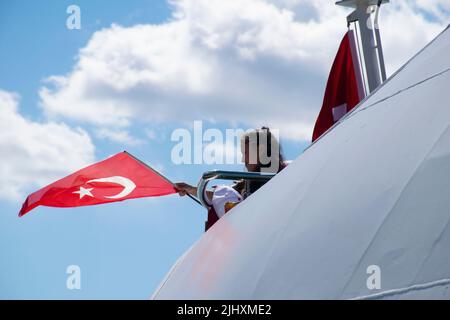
(372,51)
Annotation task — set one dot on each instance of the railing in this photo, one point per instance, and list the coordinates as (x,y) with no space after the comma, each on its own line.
(227,175)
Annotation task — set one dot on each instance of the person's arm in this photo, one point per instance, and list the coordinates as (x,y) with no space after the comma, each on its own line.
(184,188)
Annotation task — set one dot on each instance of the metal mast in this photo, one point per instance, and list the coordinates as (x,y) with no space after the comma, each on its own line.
(371,49)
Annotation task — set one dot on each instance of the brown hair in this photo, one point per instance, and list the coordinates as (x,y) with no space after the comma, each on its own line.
(273,149)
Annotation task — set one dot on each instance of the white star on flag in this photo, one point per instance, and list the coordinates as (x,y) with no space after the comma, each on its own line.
(132,179)
(84,192)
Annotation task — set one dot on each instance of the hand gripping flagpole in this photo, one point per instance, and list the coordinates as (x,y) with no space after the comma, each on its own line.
(158,173)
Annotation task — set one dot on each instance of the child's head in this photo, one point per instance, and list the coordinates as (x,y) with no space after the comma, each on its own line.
(261,151)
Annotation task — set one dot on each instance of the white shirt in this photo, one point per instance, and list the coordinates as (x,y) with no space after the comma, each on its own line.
(221,195)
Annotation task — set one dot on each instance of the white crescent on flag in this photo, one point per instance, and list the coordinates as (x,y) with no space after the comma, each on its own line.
(128,185)
(116,178)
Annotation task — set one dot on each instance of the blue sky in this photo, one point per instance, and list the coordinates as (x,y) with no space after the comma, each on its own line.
(225,78)
(123,249)
(120,256)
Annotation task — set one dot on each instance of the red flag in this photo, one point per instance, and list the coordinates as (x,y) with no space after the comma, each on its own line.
(341,93)
(117,178)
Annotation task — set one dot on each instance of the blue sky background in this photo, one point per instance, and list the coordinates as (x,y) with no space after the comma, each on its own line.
(125,249)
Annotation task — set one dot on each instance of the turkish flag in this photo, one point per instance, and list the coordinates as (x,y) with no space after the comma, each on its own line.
(117,178)
(341,93)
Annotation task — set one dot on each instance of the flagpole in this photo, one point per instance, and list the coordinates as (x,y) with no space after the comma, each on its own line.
(369,34)
(165,178)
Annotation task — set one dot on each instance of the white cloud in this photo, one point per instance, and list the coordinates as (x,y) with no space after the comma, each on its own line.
(405,29)
(221,152)
(436,9)
(119,136)
(34,154)
(250,62)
